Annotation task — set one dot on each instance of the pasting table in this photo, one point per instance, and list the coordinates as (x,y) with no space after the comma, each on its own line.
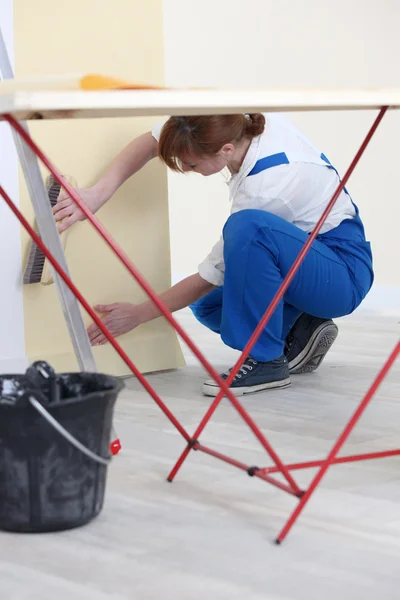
(18,105)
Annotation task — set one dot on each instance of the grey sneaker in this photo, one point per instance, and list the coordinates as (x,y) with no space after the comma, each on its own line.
(254,376)
(308,343)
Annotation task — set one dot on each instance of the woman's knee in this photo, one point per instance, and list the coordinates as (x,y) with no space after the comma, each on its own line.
(208,303)
(198,308)
(243,227)
(207,315)
(245,223)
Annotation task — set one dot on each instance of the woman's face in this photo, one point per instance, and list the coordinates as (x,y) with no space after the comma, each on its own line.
(208,165)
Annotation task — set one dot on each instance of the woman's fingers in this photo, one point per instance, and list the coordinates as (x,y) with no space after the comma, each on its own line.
(99,340)
(92,330)
(119,318)
(63,195)
(65,212)
(66,223)
(104,308)
(68,212)
(96,336)
(61,204)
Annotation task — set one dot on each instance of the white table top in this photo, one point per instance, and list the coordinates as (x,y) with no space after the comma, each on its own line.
(70,104)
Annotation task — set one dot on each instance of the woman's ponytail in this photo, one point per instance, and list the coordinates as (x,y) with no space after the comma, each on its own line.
(255,124)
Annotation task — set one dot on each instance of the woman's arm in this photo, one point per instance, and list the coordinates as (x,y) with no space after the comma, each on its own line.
(181,294)
(122,317)
(132,158)
(128,162)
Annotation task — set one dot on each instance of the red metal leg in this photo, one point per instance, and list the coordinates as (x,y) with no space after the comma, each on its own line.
(93,315)
(157,301)
(257,432)
(337,461)
(341,440)
(251,471)
(286,282)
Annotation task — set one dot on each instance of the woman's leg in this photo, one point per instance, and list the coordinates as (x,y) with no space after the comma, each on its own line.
(259,249)
(208,310)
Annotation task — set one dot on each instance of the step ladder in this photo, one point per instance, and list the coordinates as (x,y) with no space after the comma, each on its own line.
(49,234)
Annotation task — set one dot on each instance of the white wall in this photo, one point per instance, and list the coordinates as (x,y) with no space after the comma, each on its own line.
(12,345)
(289,44)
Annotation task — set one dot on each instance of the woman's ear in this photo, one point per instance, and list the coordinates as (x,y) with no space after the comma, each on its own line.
(227,150)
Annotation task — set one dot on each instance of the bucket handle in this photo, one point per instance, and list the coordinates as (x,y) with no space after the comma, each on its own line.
(65,434)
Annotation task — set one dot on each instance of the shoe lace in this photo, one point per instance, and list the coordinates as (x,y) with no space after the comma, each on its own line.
(248,365)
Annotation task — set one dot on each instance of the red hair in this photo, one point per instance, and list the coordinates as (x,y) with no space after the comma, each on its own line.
(204,135)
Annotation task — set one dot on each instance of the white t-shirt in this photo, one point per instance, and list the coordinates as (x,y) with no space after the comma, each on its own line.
(298,191)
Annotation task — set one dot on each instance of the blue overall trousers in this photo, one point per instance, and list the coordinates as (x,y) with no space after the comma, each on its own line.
(259,249)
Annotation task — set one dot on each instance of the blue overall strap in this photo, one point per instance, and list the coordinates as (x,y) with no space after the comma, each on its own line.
(274,160)
(330,166)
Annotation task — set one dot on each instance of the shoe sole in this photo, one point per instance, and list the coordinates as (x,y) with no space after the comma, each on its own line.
(315,351)
(214,389)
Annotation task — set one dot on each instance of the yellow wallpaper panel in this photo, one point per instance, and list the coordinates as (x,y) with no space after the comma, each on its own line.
(121,38)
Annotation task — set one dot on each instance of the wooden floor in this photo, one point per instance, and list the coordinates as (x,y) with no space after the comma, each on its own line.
(210,534)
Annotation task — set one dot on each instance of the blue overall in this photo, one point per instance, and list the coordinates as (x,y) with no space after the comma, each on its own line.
(259,249)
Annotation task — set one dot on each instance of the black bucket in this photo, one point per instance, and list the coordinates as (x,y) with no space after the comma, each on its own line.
(54,447)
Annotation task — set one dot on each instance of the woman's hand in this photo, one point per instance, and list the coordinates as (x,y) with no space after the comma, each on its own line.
(122,317)
(68,212)
(119,318)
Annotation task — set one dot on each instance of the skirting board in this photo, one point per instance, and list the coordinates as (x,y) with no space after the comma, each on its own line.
(17,364)
(384,299)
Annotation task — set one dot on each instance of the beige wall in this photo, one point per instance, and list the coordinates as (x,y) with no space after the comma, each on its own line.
(120,38)
(289,44)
